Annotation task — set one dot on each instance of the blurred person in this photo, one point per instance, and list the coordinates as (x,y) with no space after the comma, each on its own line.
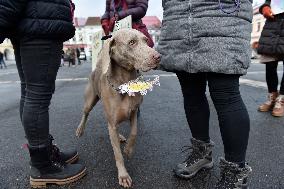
(37,30)
(2,61)
(271,49)
(119,9)
(78,56)
(208,42)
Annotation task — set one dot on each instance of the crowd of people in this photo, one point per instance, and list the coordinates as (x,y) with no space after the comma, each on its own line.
(199,50)
(72,56)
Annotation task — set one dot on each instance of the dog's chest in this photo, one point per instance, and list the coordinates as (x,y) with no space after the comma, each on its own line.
(131,102)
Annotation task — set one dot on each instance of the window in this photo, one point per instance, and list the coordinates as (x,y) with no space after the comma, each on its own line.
(258,26)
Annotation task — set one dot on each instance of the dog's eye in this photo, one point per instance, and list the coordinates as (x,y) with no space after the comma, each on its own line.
(132,42)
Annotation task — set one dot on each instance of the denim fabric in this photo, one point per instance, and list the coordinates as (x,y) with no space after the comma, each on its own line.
(233,117)
(38,61)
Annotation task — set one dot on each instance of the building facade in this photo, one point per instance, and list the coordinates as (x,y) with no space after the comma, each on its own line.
(257,25)
(85,30)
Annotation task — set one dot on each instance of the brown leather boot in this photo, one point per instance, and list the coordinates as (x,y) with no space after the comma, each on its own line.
(278,110)
(269,104)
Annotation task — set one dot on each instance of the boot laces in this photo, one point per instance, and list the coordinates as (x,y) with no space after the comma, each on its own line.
(232,177)
(270,100)
(55,152)
(194,155)
(279,102)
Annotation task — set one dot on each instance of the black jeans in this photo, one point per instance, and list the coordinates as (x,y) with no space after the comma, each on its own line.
(272,78)
(37,61)
(232,113)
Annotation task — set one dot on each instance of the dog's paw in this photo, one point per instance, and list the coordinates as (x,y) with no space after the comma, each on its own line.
(122,139)
(125,180)
(79,132)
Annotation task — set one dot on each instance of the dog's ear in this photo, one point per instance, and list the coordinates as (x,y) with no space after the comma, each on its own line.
(106,54)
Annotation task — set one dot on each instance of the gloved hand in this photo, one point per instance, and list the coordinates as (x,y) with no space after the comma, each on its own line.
(105,26)
(112,23)
(267,12)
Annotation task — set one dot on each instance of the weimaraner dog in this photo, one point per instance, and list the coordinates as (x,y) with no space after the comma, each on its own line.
(120,59)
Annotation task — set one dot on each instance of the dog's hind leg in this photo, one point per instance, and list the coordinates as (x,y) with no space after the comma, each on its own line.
(128,150)
(91,99)
(123,176)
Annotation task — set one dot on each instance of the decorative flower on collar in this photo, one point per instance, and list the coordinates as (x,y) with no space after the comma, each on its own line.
(138,85)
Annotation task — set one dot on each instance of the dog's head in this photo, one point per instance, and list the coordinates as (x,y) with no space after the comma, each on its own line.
(128,48)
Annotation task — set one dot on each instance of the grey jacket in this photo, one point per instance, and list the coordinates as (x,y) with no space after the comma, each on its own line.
(197,36)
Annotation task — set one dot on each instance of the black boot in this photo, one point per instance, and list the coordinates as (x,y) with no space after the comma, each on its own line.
(70,156)
(232,176)
(199,158)
(44,171)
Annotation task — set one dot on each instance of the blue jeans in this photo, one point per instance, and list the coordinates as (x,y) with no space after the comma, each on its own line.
(38,61)
(2,62)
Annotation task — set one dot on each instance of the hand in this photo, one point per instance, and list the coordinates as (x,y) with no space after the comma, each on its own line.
(267,12)
(112,23)
(105,26)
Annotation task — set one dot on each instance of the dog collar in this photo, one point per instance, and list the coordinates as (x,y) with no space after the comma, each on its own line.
(138,85)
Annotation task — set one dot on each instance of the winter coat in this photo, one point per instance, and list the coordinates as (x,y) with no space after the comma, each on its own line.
(271,41)
(50,19)
(198,36)
(136,8)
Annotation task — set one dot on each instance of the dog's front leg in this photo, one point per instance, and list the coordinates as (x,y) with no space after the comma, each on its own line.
(123,176)
(128,150)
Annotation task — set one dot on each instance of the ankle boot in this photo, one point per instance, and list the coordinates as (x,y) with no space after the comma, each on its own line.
(44,171)
(68,156)
(269,104)
(232,176)
(199,158)
(278,110)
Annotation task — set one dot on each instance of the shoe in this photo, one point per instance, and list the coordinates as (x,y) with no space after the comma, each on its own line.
(199,158)
(232,176)
(56,173)
(70,156)
(278,110)
(44,171)
(269,104)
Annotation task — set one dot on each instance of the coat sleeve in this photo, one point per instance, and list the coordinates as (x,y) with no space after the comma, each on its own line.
(267,3)
(106,14)
(10,13)
(138,12)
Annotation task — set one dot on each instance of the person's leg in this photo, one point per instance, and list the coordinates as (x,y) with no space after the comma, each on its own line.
(4,63)
(232,114)
(1,64)
(40,62)
(197,113)
(272,84)
(278,109)
(16,47)
(196,106)
(281,92)
(234,126)
(271,76)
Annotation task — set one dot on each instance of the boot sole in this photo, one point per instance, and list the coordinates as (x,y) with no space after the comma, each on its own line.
(208,166)
(277,115)
(42,183)
(74,159)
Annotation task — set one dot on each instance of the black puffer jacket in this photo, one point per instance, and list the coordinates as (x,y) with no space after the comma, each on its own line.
(271,41)
(50,19)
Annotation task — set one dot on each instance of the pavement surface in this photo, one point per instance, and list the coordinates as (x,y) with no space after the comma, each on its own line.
(162,132)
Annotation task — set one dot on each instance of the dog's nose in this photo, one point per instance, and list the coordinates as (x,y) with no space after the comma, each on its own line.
(157,57)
